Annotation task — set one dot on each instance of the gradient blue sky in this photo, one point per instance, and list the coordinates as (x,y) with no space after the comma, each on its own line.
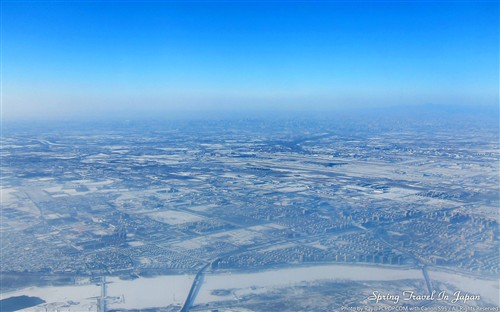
(117,57)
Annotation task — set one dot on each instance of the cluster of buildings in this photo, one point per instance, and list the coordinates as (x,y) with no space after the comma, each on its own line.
(149,201)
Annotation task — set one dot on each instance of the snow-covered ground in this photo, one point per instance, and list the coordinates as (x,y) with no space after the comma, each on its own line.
(489,290)
(173,217)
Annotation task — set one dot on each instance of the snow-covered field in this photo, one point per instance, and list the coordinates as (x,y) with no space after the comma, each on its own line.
(7,194)
(173,217)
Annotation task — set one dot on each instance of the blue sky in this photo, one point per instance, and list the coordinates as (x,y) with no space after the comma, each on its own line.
(118,57)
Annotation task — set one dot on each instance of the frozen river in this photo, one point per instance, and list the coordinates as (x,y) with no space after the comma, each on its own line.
(168,290)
